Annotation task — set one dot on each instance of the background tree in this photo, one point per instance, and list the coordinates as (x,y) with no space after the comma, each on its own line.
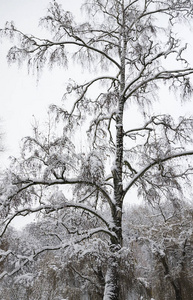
(123,38)
(157,252)
(162,242)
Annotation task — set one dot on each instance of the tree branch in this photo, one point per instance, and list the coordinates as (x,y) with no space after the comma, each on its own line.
(49,208)
(155,162)
(88,84)
(45,44)
(24,260)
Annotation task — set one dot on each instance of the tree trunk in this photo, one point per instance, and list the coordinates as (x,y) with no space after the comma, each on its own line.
(177,288)
(112,280)
(174,282)
(112,284)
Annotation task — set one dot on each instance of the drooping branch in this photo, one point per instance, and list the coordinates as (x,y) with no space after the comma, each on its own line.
(180,131)
(84,277)
(149,166)
(163,75)
(86,86)
(49,209)
(64,181)
(24,260)
(40,46)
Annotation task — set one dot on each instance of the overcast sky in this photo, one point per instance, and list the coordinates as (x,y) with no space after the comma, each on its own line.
(20,95)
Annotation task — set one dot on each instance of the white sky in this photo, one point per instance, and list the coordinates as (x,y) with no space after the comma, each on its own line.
(20,95)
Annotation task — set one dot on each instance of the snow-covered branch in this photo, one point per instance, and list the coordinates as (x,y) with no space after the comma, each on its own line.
(26,183)
(23,260)
(40,46)
(163,75)
(155,162)
(51,208)
(86,86)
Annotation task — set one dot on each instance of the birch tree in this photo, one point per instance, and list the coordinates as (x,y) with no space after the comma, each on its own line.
(129,45)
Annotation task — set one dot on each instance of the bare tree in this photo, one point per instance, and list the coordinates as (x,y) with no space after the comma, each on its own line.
(126,39)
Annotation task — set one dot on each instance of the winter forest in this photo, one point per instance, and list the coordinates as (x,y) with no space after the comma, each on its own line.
(108,180)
